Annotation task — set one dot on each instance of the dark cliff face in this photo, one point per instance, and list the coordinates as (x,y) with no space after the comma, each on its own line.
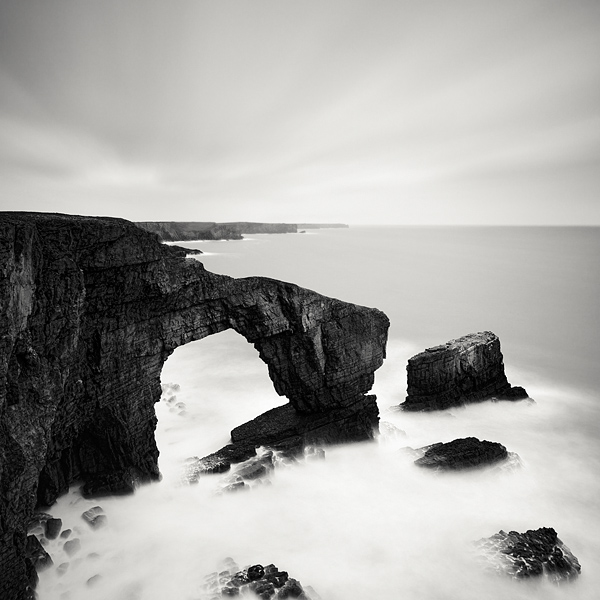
(92,308)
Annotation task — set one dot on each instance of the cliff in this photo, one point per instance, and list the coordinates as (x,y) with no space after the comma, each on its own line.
(322,226)
(468,369)
(92,308)
(179,231)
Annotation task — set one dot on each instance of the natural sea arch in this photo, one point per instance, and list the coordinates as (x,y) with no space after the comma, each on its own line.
(209,387)
(93,307)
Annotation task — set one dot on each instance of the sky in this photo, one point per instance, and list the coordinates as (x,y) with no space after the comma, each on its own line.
(362,112)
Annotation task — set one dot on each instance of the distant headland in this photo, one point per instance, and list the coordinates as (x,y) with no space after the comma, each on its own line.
(180,231)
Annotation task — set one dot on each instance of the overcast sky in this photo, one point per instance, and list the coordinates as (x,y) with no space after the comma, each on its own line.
(483,111)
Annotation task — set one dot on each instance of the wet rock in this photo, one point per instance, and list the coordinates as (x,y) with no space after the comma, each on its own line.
(94,517)
(535,553)
(462,453)
(234,484)
(254,468)
(52,528)
(265,582)
(119,483)
(62,569)
(291,589)
(468,369)
(255,572)
(36,555)
(66,533)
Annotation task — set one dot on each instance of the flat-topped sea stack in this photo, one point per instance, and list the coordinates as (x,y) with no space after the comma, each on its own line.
(468,369)
(92,308)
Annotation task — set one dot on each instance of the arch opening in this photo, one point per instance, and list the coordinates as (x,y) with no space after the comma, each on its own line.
(209,387)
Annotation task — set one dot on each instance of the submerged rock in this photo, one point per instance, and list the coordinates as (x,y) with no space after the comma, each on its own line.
(94,517)
(255,470)
(468,369)
(534,553)
(72,546)
(462,453)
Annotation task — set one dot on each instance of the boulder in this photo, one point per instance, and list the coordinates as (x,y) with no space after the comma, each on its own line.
(94,517)
(52,528)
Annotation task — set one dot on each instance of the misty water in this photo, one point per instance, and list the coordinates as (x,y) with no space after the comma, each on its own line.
(365,522)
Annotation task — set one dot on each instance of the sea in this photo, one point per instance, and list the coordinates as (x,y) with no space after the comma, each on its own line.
(362,521)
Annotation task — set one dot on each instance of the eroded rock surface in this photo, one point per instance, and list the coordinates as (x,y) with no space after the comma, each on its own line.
(468,369)
(531,554)
(92,308)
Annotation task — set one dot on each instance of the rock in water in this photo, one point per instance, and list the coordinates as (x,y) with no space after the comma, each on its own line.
(268,583)
(52,528)
(93,307)
(468,369)
(94,517)
(530,554)
(463,453)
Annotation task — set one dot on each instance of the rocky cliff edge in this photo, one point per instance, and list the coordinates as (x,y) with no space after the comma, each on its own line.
(92,308)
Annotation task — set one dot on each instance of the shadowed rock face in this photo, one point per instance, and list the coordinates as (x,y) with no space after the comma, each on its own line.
(468,369)
(92,308)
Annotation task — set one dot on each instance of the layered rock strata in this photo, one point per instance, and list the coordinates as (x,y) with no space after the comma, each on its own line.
(535,553)
(92,308)
(468,369)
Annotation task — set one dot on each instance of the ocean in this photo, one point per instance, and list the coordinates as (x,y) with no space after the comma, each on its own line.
(364,521)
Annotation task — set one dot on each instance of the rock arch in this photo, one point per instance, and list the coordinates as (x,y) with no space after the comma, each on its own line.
(92,307)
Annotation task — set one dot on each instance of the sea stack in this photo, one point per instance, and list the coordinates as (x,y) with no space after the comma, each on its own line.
(468,369)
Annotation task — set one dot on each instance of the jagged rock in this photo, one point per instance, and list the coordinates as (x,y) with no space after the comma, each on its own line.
(463,453)
(531,554)
(36,554)
(468,369)
(265,582)
(92,308)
